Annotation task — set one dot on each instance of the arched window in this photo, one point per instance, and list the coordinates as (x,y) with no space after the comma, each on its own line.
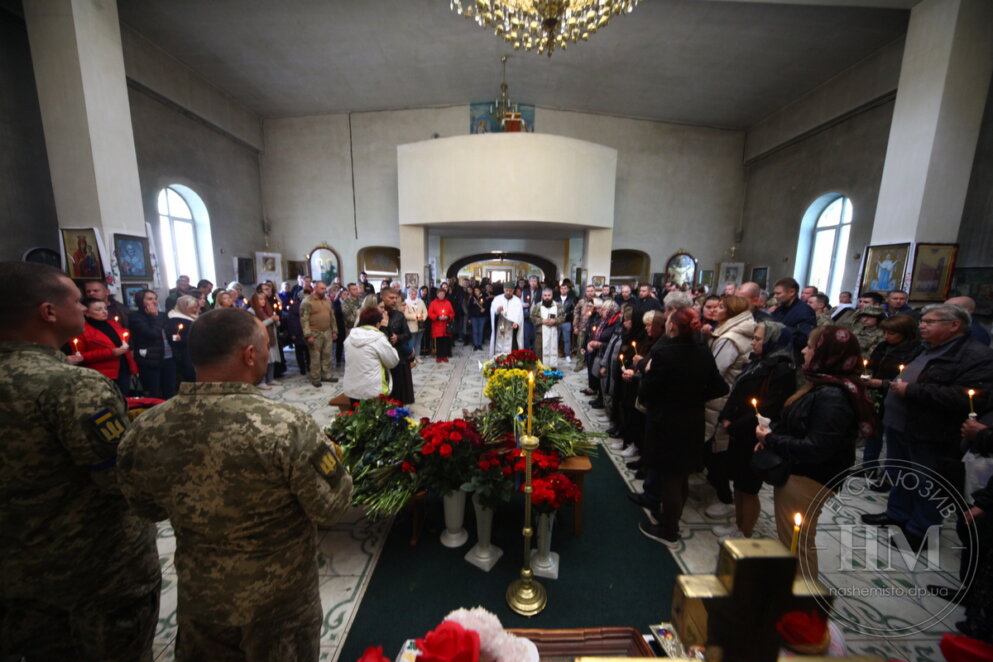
(184,235)
(823,244)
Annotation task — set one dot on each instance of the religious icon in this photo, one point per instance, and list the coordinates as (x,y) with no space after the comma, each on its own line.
(884,267)
(934,264)
(132,256)
(681,268)
(81,253)
(324,264)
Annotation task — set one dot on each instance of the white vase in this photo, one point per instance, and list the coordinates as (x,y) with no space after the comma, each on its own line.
(483,555)
(545,562)
(454,534)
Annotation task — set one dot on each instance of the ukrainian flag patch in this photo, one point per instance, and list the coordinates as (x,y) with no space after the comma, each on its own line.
(109,427)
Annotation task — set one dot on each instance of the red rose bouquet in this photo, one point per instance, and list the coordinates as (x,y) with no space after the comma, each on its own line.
(449,455)
(552,492)
(449,642)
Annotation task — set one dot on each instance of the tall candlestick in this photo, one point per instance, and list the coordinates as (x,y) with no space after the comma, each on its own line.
(972,409)
(530,400)
(795,545)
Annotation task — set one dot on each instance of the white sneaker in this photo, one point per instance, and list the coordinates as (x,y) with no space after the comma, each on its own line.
(718,510)
(264,387)
(616,446)
(568,359)
(724,529)
(630,451)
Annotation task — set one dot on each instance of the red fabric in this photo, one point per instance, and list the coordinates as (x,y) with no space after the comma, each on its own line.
(373,654)
(801,627)
(438,308)
(960,648)
(98,351)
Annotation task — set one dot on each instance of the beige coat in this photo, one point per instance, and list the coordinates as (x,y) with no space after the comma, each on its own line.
(731,343)
(411,311)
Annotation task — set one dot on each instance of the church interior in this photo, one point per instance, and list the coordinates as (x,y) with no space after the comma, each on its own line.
(247,139)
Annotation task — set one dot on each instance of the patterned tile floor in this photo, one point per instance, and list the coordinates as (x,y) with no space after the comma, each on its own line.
(350,549)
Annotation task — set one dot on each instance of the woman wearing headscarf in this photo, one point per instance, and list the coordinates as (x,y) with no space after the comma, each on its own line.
(770,378)
(441,313)
(680,378)
(816,434)
(610,323)
(416,312)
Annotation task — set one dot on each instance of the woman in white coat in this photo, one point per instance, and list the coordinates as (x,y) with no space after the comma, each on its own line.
(369,356)
(730,343)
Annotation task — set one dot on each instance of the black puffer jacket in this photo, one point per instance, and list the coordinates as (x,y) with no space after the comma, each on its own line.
(147,337)
(771,382)
(816,435)
(937,402)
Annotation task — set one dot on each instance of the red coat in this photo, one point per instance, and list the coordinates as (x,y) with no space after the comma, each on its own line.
(98,351)
(438,308)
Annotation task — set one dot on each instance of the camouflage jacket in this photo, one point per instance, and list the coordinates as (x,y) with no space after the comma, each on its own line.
(244,481)
(868,338)
(65,529)
(350,310)
(307,307)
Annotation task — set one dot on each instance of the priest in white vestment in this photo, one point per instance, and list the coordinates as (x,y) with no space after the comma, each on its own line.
(507,321)
(546,317)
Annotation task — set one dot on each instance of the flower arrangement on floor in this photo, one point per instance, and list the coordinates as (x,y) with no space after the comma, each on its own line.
(552,492)
(449,455)
(465,635)
(507,379)
(380,443)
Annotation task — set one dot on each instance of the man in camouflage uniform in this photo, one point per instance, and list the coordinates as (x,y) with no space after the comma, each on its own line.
(318,324)
(80,573)
(245,481)
(351,305)
(581,317)
(866,328)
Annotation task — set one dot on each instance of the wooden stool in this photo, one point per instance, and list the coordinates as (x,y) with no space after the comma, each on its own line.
(575,469)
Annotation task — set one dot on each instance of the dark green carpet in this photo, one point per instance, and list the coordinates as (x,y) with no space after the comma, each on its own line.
(611,575)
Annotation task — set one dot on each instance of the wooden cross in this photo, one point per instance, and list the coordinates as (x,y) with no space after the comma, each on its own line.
(734,612)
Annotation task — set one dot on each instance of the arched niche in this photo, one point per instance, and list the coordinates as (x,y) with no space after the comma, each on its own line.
(547,266)
(627,264)
(379,262)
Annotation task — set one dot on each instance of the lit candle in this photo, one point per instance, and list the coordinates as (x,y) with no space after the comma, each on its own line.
(621,359)
(899,376)
(180,327)
(755,405)
(634,346)
(865,367)
(75,345)
(795,545)
(972,409)
(530,399)
(117,318)
(126,334)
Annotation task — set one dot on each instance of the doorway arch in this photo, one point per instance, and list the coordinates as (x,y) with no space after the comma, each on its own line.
(547,266)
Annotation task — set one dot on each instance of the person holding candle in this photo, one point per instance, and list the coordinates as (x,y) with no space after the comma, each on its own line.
(763,385)
(181,319)
(816,434)
(104,348)
(152,351)
(923,414)
(416,313)
(441,312)
(261,306)
(900,345)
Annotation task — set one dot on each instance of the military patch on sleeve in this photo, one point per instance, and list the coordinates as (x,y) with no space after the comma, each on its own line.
(328,464)
(109,427)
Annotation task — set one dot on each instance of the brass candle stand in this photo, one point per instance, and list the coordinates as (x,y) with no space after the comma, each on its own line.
(526,596)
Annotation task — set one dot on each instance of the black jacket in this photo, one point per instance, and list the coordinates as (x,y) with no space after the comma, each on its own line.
(147,333)
(772,382)
(885,360)
(682,378)
(937,402)
(816,435)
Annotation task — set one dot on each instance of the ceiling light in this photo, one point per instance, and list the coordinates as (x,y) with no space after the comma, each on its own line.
(543,25)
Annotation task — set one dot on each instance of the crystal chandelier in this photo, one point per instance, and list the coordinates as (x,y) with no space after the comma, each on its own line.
(543,25)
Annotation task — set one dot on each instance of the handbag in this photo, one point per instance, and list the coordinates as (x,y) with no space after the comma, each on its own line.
(450,328)
(770,467)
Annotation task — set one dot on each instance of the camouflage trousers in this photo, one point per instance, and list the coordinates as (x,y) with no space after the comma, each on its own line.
(320,357)
(98,630)
(293,637)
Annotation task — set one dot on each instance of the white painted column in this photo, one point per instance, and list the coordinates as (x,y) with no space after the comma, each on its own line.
(79,69)
(944,80)
(413,251)
(599,243)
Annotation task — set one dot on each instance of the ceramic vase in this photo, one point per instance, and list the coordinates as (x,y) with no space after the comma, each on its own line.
(454,534)
(483,555)
(545,562)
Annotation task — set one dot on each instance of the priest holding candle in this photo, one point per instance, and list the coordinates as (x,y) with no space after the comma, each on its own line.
(816,436)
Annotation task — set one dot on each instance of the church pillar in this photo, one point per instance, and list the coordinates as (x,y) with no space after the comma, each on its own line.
(944,79)
(413,251)
(79,68)
(599,243)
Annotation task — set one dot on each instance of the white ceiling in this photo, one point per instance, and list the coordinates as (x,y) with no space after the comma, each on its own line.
(724,64)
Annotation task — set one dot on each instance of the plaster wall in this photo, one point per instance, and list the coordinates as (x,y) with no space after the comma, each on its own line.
(454,248)
(172,148)
(975,237)
(847,159)
(27,203)
(678,187)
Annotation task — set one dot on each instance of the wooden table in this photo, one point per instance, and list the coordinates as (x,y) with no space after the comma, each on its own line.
(567,645)
(575,469)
